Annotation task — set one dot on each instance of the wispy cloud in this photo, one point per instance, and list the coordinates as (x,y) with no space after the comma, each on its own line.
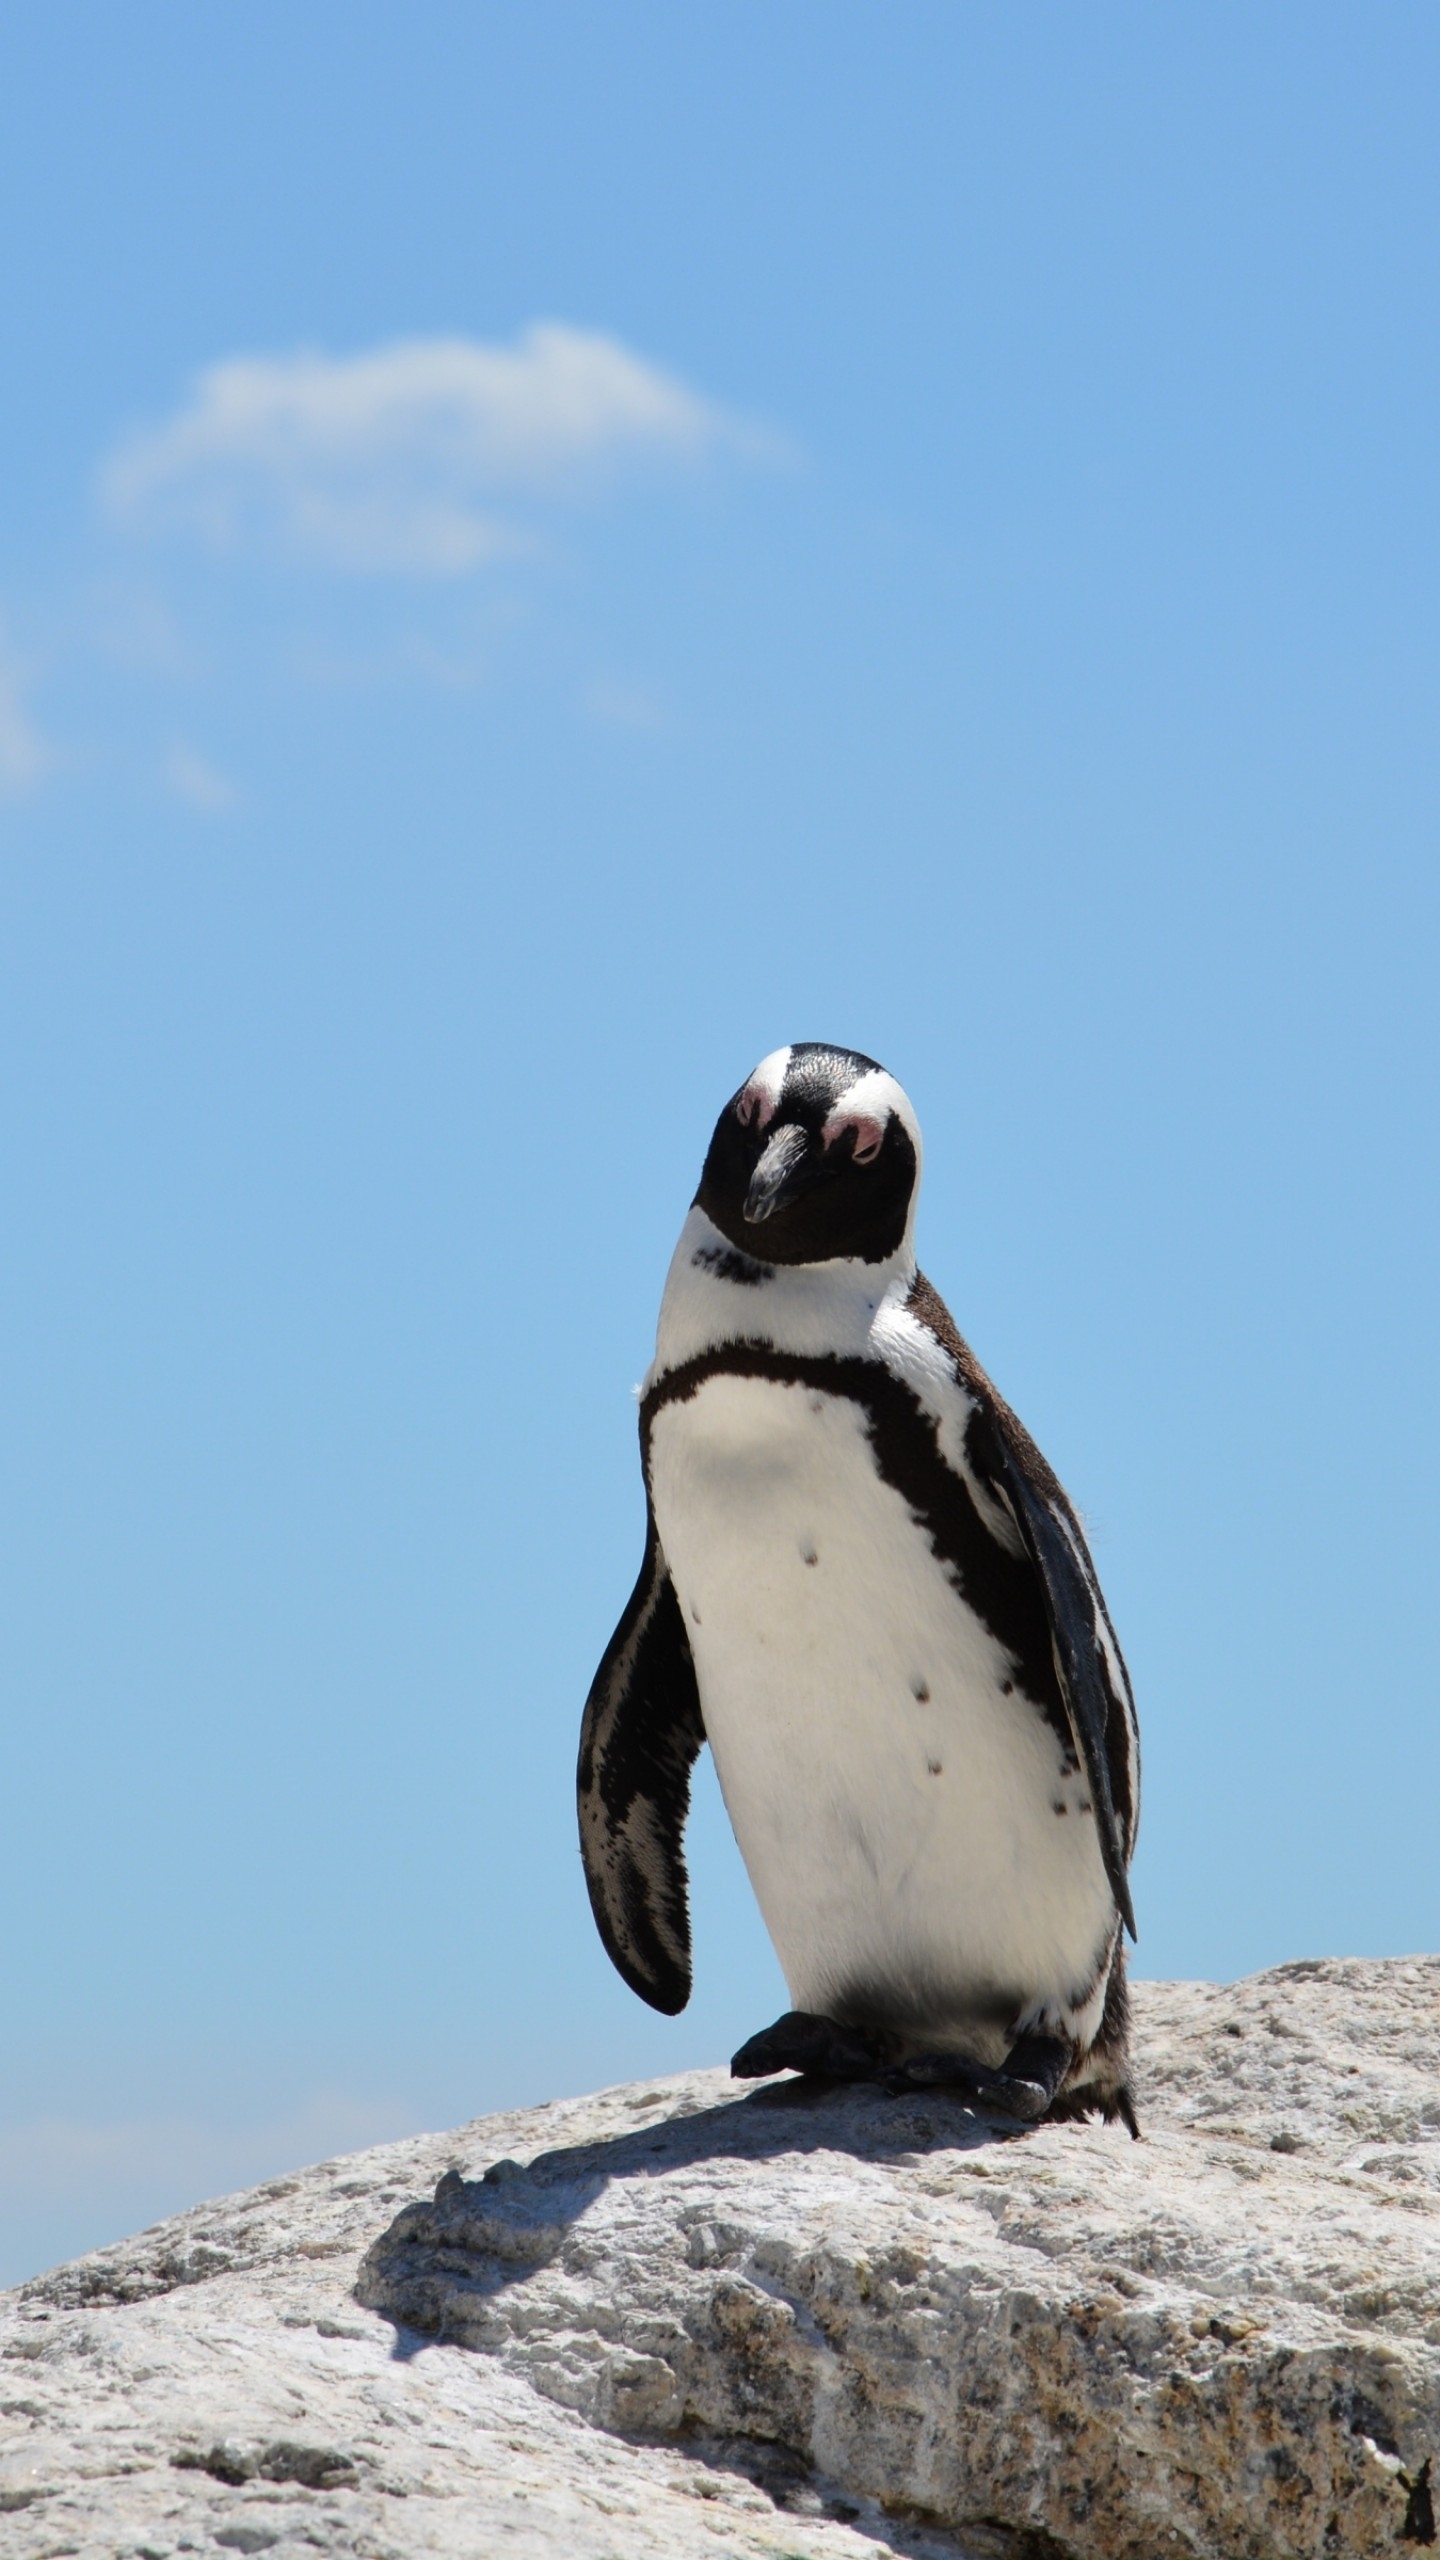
(67,2186)
(25,756)
(407,458)
(193,778)
(624,706)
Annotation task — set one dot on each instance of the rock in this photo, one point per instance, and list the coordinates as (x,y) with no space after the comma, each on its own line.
(670,2320)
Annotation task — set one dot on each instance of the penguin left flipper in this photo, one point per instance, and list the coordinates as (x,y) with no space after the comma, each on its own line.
(641,1733)
(1090,1670)
(1092,1676)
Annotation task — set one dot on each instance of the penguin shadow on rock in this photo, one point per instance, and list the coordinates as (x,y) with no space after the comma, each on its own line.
(443,2270)
(441,2262)
(865,1588)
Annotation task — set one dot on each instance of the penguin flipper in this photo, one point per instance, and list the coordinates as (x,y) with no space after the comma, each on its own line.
(1093,1679)
(641,1733)
(1090,1668)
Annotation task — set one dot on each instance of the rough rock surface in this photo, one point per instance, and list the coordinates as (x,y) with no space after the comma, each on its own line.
(794,2324)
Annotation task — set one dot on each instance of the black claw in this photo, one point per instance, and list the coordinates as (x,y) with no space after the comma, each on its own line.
(801,2041)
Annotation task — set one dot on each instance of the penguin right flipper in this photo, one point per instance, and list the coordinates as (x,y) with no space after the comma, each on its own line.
(641,1733)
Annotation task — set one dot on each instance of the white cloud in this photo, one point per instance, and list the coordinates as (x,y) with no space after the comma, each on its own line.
(392,460)
(192,777)
(25,758)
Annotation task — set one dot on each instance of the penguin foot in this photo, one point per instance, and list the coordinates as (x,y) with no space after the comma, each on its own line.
(801,2041)
(1025,2085)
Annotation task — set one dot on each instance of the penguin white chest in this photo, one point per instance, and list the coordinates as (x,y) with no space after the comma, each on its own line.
(922,1855)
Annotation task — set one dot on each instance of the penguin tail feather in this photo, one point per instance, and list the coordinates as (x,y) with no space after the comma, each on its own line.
(1099,2082)
(1113,2103)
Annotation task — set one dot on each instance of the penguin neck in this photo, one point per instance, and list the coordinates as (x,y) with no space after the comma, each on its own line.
(715,1294)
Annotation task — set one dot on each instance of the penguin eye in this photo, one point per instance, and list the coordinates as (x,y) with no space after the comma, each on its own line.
(869,1134)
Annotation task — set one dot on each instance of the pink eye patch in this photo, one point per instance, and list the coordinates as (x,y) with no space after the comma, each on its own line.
(756,1104)
(869,1133)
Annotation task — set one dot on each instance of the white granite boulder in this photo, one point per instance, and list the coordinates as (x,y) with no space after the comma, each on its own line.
(671,2318)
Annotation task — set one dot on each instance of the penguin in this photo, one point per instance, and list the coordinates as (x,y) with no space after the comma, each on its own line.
(865,1588)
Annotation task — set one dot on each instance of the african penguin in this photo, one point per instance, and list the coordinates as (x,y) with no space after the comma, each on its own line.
(865,1588)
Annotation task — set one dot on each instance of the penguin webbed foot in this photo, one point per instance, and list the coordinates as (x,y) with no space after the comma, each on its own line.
(1025,2085)
(802,2041)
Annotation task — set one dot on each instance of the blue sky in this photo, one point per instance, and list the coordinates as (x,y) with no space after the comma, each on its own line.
(544,552)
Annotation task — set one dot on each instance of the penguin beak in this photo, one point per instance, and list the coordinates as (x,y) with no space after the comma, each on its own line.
(786,1168)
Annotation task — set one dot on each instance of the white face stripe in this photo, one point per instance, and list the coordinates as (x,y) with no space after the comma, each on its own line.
(760,1097)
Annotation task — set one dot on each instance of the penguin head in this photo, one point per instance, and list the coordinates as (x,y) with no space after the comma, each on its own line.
(815,1159)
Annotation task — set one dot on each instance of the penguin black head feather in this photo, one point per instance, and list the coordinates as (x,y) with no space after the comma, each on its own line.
(815,1159)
